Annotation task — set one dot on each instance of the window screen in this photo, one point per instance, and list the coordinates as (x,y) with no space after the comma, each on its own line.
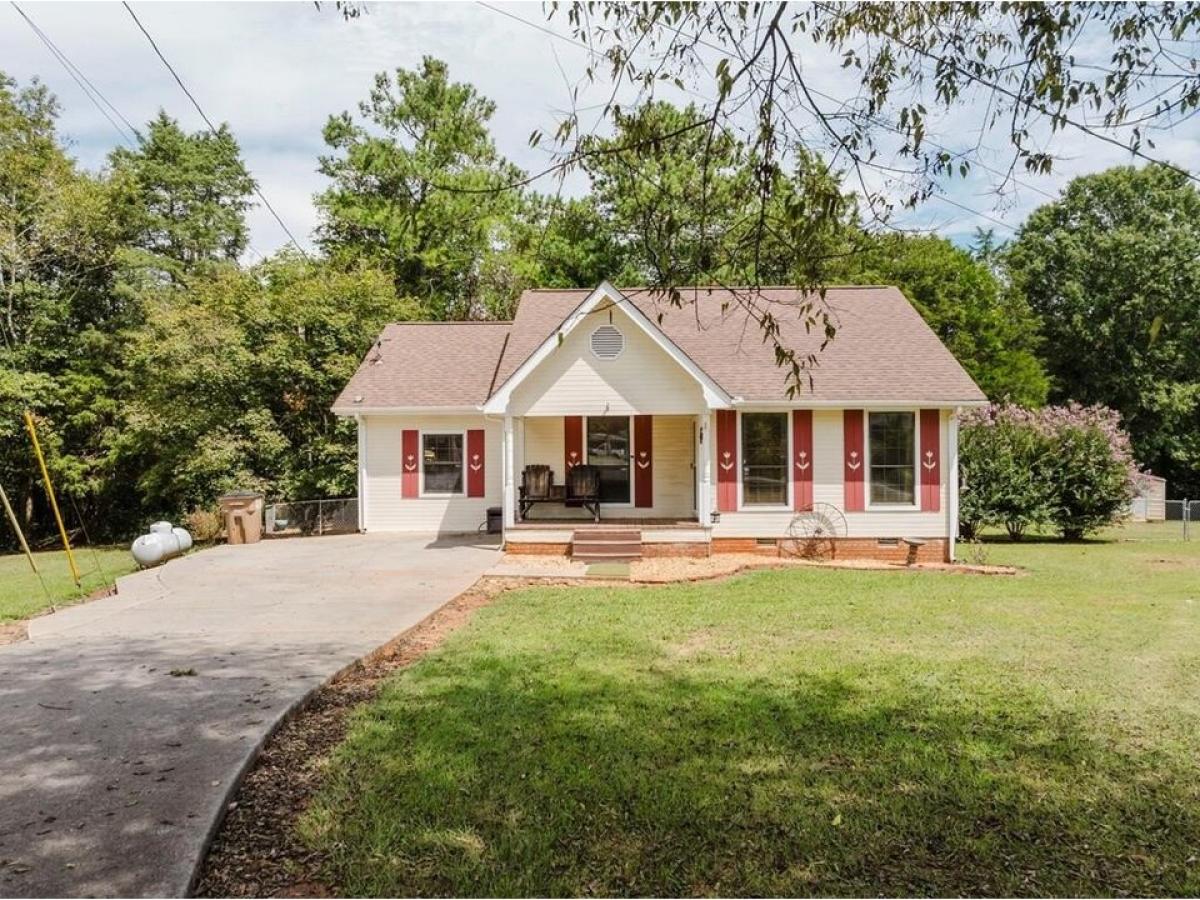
(442,457)
(892,442)
(764,459)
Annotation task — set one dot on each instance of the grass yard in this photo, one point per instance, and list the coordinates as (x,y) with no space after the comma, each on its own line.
(22,595)
(794,733)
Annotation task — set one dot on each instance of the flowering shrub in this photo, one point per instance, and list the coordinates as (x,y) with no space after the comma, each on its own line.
(1067,466)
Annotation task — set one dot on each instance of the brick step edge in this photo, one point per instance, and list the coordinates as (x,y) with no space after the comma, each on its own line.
(578,547)
(600,537)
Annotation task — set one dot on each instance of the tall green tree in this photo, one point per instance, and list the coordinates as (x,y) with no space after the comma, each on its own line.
(62,319)
(989,329)
(417,187)
(572,244)
(1113,270)
(190,194)
(236,372)
(688,206)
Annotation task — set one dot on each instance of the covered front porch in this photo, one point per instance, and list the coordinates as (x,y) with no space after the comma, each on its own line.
(648,471)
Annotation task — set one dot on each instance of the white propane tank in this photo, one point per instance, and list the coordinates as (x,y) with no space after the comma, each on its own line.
(162,543)
(185,539)
(147,550)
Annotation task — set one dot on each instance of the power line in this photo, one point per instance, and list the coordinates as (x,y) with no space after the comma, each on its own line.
(873,119)
(76,74)
(208,122)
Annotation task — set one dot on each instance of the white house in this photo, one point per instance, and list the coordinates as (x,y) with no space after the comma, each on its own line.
(683,416)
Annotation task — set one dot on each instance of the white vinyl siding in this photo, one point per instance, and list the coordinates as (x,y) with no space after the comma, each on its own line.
(572,381)
(386,510)
(828,488)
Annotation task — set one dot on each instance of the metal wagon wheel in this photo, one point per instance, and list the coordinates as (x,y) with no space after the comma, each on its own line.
(812,534)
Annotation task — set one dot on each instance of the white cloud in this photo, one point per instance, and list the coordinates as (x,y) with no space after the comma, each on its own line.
(276,71)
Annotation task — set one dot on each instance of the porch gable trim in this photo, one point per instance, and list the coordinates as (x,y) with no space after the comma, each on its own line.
(714,395)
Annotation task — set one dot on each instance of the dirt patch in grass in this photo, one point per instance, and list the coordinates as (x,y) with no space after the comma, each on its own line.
(257,851)
(12,632)
(15,632)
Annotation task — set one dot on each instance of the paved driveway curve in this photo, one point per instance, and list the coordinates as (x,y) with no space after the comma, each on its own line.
(114,763)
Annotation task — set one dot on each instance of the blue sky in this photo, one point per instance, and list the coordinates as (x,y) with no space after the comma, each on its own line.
(276,71)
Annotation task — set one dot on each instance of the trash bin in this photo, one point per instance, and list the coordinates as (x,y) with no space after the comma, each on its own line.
(242,511)
(494,517)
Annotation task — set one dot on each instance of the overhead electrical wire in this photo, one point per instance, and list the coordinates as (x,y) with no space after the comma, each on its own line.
(85,83)
(881,123)
(207,121)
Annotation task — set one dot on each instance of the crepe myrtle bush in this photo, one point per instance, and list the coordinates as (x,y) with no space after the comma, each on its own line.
(1069,467)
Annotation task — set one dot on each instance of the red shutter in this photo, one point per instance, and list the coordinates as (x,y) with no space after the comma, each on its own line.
(643,460)
(802,465)
(572,442)
(852,439)
(475,463)
(931,461)
(727,460)
(410,458)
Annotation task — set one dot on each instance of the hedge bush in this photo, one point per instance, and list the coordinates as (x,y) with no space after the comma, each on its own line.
(1067,467)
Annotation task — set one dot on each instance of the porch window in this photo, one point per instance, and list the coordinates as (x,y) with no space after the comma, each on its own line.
(442,463)
(764,459)
(893,452)
(608,441)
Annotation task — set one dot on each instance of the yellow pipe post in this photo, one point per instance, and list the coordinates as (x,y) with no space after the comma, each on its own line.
(16,526)
(62,529)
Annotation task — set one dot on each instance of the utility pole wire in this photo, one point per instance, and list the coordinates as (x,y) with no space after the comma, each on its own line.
(873,119)
(208,122)
(76,74)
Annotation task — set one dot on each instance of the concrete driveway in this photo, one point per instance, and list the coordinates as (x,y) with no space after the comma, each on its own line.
(115,760)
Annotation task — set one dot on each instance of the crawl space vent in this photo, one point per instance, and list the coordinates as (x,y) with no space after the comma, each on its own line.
(607,342)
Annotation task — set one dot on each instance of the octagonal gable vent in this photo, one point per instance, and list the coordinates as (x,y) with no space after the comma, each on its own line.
(607,342)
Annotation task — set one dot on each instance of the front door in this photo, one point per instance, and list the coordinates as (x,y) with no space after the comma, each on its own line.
(608,445)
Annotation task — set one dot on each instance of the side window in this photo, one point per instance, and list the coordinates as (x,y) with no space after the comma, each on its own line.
(442,463)
(764,459)
(892,450)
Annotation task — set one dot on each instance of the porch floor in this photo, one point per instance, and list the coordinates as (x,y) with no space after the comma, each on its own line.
(616,524)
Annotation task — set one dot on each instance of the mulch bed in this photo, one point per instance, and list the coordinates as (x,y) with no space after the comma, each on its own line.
(257,852)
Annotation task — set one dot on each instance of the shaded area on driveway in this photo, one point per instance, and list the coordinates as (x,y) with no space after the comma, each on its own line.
(127,720)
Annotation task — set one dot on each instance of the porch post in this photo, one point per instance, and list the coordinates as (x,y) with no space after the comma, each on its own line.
(952,486)
(704,468)
(509,502)
(362,473)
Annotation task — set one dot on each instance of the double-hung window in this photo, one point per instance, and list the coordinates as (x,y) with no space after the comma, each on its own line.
(764,459)
(442,463)
(892,452)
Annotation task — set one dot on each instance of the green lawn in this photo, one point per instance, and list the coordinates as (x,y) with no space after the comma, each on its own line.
(22,595)
(800,732)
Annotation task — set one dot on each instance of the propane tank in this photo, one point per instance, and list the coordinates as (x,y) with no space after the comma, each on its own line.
(163,542)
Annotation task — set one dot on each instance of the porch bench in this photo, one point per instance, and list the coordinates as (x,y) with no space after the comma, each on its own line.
(582,489)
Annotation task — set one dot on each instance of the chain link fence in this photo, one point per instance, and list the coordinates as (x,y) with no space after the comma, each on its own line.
(1182,523)
(1182,513)
(305,518)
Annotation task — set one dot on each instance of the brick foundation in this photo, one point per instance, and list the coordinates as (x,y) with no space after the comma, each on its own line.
(538,549)
(934,549)
(694,549)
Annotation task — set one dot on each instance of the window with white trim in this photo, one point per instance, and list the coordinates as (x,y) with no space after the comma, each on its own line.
(764,459)
(892,452)
(442,463)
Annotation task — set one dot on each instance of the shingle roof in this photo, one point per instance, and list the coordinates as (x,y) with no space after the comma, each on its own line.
(883,350)
(416,364)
